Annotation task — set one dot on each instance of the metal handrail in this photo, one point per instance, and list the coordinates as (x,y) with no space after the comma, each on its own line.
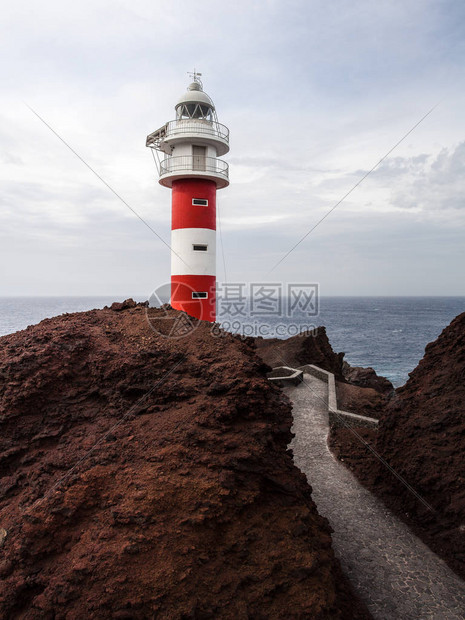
(193,163)
(212,128)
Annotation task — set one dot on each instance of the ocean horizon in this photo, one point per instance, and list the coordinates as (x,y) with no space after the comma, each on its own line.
(388,333)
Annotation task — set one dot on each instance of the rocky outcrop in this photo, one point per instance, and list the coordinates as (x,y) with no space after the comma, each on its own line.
(366,378)
(422,437)
(311,347)
(144,476)
(361,400)
(423,432)
(118,306)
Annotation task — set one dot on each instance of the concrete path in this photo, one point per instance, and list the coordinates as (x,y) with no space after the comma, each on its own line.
(397,575)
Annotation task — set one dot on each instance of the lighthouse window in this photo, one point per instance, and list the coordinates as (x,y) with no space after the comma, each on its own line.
(200,247)
(200,202)
(199,295)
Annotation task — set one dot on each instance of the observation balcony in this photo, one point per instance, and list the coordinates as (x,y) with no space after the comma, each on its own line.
(194,130)
(194,167)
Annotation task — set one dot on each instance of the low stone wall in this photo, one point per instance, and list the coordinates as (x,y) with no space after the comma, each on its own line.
(338,417)
(317,372)
(283,375)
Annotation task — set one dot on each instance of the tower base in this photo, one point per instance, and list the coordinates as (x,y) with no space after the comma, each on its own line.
(195,295)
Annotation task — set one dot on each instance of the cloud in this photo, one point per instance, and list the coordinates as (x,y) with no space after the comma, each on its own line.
(433,184)
(314,93)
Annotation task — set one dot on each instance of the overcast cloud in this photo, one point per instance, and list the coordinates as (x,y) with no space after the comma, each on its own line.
(314,94)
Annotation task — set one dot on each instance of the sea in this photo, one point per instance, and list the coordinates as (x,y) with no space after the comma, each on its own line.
(387,333)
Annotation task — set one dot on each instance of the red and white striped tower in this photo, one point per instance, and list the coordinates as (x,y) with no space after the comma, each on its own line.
(192,144)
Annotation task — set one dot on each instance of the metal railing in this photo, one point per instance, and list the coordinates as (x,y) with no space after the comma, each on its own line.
(208,128)
(194,163)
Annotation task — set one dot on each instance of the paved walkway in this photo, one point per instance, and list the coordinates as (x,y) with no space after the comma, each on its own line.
(397,575)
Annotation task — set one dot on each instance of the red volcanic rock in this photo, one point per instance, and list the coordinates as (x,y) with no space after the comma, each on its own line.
(422,436)
(144,476)
(307,348)
(362,400)
(366,378)
(423,432)
(123,305)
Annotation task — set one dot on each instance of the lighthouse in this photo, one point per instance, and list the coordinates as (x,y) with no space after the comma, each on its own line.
(187,150)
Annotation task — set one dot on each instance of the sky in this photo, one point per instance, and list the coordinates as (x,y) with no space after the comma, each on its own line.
(314,93)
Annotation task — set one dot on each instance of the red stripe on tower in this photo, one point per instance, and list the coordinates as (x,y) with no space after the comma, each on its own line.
(188,204)
(193,142)
(185,291)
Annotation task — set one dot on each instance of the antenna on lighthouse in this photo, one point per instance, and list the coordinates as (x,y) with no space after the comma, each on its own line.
(195,76)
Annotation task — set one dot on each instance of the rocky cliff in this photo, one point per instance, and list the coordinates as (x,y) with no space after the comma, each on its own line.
(367,378)
(422,436)
(423,433)
(144,476)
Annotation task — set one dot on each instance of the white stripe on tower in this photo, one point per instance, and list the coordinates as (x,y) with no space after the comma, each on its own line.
(193,251)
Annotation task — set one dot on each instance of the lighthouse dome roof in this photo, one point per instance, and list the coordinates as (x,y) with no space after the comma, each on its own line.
(195,94)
